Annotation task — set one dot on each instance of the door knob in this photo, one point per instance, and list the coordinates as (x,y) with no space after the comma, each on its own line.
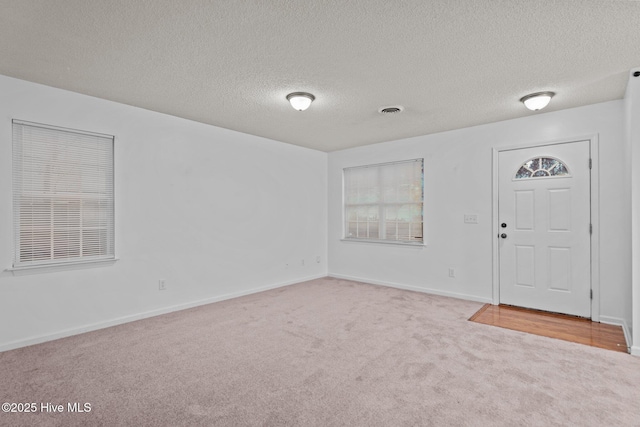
(503,225)
(503,235)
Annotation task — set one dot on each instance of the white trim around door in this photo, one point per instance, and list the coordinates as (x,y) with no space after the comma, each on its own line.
(595,217)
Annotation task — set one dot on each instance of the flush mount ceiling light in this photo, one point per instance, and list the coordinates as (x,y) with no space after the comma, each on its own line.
(537,101)
(300,100)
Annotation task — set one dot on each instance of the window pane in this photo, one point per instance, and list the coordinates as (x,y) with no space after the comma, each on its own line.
(374,230)
(523,172)
(391,212)
(547,163)
(542,167)
(63,194)
(363,213)
(351,213)
(559,169)
(373,213)
(404,192)
(391,228)
(416,230)
(404,231)
(389,200)
(362,230)
(352,229)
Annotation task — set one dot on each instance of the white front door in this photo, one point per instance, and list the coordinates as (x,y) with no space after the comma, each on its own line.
(544,228)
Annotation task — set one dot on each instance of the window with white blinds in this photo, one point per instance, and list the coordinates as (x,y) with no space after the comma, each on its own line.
(384,202)
(62,195)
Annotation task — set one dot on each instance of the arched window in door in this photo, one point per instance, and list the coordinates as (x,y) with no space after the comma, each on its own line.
(541,167)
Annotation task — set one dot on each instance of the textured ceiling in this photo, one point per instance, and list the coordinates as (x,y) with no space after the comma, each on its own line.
(450,63)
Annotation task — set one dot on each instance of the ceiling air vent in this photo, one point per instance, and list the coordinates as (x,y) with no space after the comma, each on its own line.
(391,110)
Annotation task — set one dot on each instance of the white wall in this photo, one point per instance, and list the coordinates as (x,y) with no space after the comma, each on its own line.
(632,127)
(458,180)
(215,213)
(219,213)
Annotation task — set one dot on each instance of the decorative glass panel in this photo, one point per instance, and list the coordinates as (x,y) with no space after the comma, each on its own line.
(542,167)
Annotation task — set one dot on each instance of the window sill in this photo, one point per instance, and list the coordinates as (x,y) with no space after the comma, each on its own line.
(386,242)
(51,268)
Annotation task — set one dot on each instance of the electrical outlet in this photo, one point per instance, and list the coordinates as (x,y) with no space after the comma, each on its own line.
(302,263)
(162,284)
(452,272)
(470,219)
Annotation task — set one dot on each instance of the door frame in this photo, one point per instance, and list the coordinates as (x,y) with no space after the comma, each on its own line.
(594,208)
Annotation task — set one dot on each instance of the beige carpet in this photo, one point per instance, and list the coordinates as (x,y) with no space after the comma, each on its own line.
(322,353)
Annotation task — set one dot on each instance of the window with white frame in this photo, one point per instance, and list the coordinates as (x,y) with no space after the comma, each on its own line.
(384,202)
(63,201)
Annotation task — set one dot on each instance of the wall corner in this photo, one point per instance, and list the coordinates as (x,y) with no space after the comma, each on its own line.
(632,134)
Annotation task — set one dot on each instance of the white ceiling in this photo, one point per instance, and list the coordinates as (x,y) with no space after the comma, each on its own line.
(230,63)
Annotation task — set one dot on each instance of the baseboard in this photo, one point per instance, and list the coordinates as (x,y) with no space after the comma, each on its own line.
(635,350)
(414,288)
(143,315)
(625,328)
